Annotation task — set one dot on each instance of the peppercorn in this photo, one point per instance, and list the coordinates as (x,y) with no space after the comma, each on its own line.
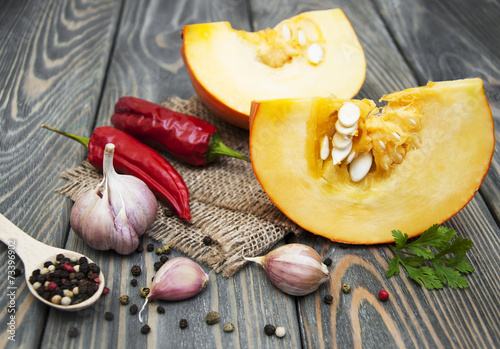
(328,299)
(133,309)
(383,295)
(183,323)
(160,309)
(163,259)
(159,251)
(123,299)
(280,332)
(150,247)
(105,290)
(59,257)
(158,265)
(166,249)
(144,291)
(139,249)
(136,270)
(212,318)
(346,288)
(327,262)
(207,240)
(108,316)
(73,332)
(133,282)
(228,327)
(269,329)
(145,329)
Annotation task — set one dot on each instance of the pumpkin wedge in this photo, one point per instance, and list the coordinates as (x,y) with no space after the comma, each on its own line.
(315,53)
(423,156)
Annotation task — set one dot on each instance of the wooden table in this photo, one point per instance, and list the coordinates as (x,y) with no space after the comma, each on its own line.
(65,63)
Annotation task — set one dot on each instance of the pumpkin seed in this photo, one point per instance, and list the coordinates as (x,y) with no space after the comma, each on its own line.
(325,149)
(286,32)
(302,38)
(349,114)
(340,154)
(315,53)
(360,166)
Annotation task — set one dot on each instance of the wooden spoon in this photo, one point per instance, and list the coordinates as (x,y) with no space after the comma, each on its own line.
(34,254)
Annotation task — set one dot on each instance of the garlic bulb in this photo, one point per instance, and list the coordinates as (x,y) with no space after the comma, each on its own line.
(178,279)
(116,213)
(295,269)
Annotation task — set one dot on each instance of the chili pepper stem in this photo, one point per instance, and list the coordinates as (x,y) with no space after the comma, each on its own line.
(217,148)
(82,140)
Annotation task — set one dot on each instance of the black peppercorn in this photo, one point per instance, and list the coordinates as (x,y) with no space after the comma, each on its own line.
(136,270)
(160,310)
(83,260)
(59,257)
(47,264)
(108,316)
(327,262)
(328,299)
(73,332)
(133,309)
(150,247)
(164,259)
(207,240)
(139,249)
(36,272)
(158,265)
(133,282)
(145,329)
(269,329)
(183,323)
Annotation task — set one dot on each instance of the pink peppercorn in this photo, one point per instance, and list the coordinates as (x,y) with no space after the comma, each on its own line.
(51,286)
(383,295)
(68,268)
(105,290)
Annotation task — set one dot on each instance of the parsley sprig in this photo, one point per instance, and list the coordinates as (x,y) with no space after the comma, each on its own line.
(434,260)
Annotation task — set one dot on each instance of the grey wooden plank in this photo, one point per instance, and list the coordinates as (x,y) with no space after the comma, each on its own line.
(460,40)
(414,317)
(146,63)
(52,64)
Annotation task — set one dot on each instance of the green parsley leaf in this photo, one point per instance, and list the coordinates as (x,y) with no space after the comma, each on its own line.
(426,259)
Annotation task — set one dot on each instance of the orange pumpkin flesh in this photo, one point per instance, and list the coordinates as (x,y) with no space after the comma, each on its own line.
(230,68)
(449,146)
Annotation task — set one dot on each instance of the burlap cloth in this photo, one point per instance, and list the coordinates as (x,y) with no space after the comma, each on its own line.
(227,202)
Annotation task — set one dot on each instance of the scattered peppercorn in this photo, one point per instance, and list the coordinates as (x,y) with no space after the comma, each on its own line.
(166,249)
(183,323)
(228,327)
(159,251)
(108,316)
(163,259)
(207,240)
(105,290)
(212,318)
(139,249)
(160,309)
(133,282)
(327,262)
(150,247)
(383,295)
(136,270)
(133,309)
(346,288)
(144,291)
(269,329)
(158,265)
(280,332)
(124,300)
(328,299)
(73,332)
(18,272)
(145,329)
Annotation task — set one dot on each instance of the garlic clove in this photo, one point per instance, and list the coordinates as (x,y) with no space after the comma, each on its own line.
(295,269)
(178,279)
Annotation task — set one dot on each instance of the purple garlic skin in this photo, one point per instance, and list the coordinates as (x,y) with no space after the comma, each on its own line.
(295,269)
(178,279)
(116,213)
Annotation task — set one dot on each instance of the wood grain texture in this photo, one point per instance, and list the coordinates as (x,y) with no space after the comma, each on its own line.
(52,63)
(146,63)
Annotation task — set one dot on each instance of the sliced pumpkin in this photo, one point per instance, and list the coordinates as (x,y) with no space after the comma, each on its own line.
(316,53)
(430,149)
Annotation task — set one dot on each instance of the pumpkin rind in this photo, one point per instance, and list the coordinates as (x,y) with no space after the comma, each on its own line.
(432,183)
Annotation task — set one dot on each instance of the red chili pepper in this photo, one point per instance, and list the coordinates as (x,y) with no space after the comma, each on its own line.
(186,137)
(138,160)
